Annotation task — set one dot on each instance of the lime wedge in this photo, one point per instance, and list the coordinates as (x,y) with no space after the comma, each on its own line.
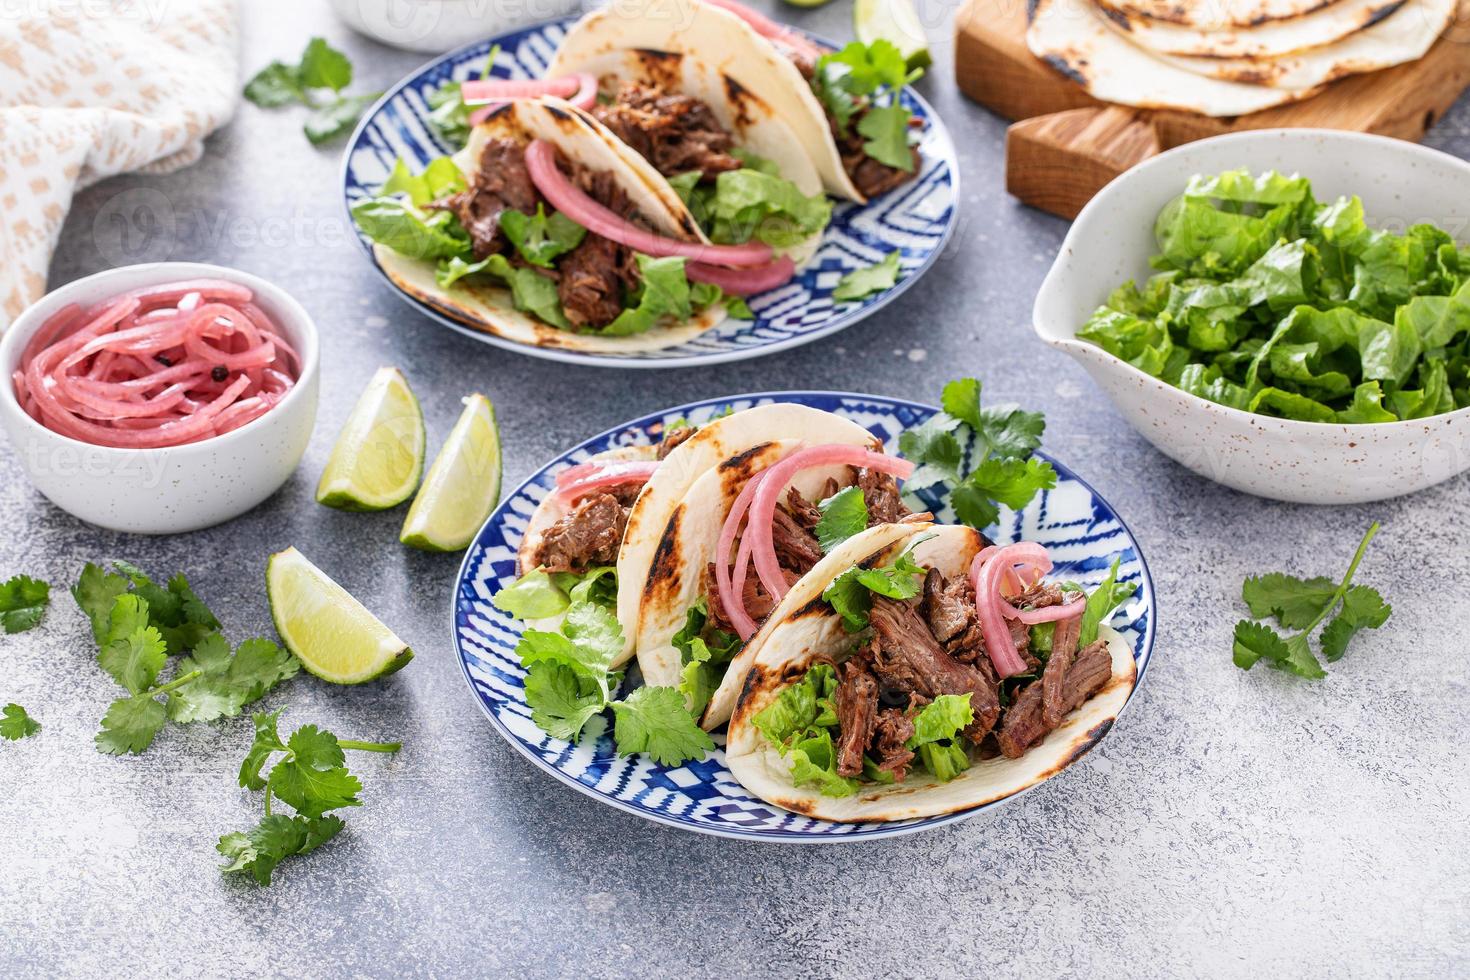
(330,632)
(463,485)
(896,21)
(379,455)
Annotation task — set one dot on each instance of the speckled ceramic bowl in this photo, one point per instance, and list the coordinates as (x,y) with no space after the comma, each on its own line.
(177,488)
(1306,462)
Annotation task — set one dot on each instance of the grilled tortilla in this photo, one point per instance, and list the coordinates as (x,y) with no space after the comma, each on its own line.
(1270,39)
(788,646)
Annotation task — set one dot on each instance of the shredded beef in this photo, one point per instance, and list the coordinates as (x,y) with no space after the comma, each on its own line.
(675,133)
(907,656)
(758,603)
(1053,679)
(796,548)
(593,277)
(857,714)
(948,606)
(895,727)
(674,438)
(587,536)
(805,513)
(1041,707)
(502,183)
(1023,725)
(880,493)
(1039,596)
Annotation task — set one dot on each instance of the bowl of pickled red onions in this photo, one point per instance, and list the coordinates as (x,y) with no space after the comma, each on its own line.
(160,398)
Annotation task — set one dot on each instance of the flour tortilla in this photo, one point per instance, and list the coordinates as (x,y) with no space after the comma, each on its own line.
(487,307)
(662,528)
(1216,15)
(814,632)
(1073,37)
(678,43)
(1271,39)
(1406,35)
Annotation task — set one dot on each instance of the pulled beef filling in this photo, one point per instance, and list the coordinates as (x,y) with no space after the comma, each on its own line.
(674,438)
(593,278)
(590,533)
(675,133)
(501,183)
(931,646)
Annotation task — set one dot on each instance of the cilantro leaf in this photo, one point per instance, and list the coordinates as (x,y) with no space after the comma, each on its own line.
(851,593)
(562,700)
(844,514)
(887,131)
(130,725)
(540,239)
(936,449)
(228,683)
(267,741)
(1296,603)
(275,85)
(1012,482)
(1362,608)
(337,119)
(257,851)
(134,652)
(653,720)
(95,592)
(323,66)
(16,724)
(313,778)
(23,601)
(868,279)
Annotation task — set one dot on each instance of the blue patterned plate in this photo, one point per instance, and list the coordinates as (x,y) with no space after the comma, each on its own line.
(916,219)
(1080,530)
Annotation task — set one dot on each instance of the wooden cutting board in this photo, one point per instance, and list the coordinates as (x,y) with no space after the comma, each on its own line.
(1065,145)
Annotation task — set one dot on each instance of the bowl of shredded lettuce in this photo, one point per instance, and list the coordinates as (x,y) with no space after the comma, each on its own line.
(1286,312)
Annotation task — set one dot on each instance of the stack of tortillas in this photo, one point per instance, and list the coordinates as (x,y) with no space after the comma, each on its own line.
(1227,57)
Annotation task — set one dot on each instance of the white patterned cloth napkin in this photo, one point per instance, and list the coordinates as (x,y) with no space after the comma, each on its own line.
(92,88)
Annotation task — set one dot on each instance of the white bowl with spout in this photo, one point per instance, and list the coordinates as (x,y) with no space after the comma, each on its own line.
(1303,462)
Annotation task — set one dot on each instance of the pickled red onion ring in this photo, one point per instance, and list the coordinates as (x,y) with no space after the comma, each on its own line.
(491,93)
(155,367)
(763,509)
(743,282)
(769,29)
(614,473)
(987,572)
(732,601)
(569,199)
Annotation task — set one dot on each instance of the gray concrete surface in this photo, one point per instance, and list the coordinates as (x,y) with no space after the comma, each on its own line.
(1233,824)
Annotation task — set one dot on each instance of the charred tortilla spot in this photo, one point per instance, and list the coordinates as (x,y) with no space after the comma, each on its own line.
(744,102)
(804,807)
(663,571)
(816,608)
(1120,19)
(1093,736)
(1382,12)
(660,68)
(1066,67)
(741,464)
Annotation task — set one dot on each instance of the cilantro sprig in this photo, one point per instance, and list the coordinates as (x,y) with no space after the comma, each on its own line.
(1003,469)
(23,601)
(15,724)
(138,625)
(1303,605)
(570,680)
(862,81)
(311,777)
(851,593)
(322,69)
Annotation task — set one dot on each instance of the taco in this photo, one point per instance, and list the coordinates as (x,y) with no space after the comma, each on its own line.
(890,693)
(782,96)
(544,232)
(708,578)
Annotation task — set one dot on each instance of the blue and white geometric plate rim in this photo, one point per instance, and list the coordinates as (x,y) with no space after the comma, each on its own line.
(869,306)
(1143,655)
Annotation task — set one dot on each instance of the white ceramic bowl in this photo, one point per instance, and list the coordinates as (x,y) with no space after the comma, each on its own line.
(1306,462)
(433,26)
(177,488)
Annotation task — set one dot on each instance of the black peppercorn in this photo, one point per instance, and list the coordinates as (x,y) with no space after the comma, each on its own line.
(219,373)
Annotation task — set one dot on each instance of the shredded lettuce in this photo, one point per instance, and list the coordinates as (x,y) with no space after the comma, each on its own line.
(703,654)
(1272,302)
(1102,601)
(540,595)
